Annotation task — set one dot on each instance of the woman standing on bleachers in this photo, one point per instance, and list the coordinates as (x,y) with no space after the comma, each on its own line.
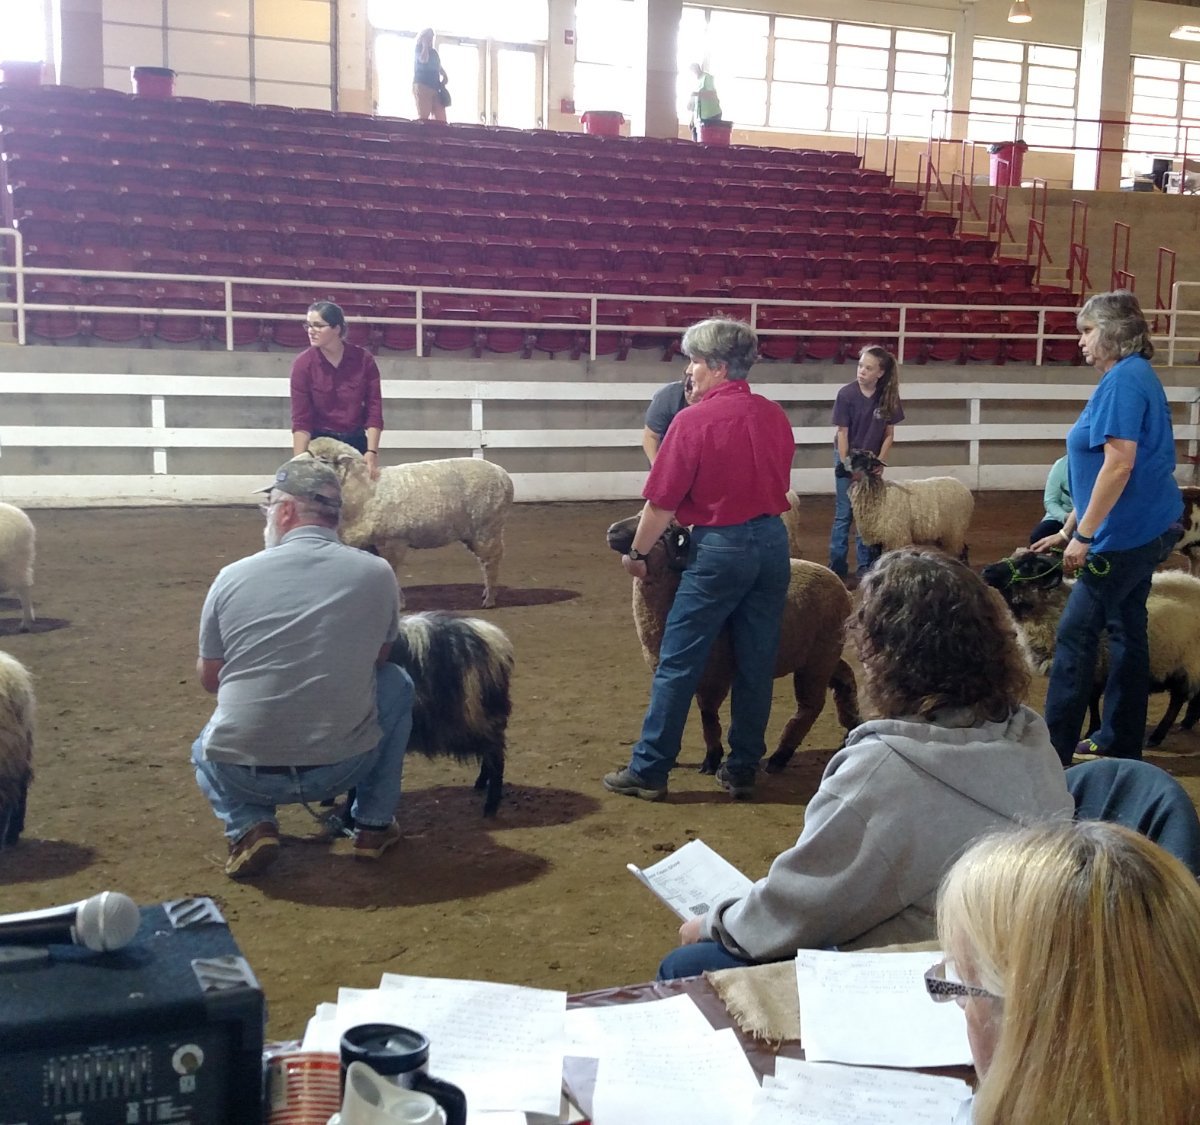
(429,79)
(335,388)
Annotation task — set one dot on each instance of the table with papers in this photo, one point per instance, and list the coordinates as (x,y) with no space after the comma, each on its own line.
(666,1052)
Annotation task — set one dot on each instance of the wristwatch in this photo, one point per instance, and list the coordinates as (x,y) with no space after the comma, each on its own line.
(635,555)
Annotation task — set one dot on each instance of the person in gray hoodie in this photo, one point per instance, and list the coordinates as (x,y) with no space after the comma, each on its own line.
(954,755)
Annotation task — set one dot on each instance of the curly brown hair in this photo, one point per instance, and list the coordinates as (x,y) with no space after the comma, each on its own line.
(931,635)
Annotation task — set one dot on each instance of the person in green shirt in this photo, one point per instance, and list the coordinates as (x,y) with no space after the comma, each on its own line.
(704,103)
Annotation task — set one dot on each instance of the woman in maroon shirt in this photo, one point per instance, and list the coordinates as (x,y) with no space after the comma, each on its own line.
(335,388)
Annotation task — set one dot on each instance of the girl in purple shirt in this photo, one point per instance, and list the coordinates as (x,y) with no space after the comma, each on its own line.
(865,413)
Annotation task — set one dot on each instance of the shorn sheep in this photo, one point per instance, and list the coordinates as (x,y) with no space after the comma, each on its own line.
(935,512)
(461,668)
(1033,586)
(810,647)
(16,746)
(16,559)
(424,504)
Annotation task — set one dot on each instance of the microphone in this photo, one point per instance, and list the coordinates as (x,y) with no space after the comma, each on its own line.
(103,922)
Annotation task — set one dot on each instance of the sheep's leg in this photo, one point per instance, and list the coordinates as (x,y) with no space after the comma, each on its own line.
(12,819)
(28,617)
(810,701)
(491,778)
(393,554)
(845,696)
(489,550)
(710,721)
(1177,700)
(1192,713)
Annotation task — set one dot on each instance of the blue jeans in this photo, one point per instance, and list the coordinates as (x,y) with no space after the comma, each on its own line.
(739,575)
(839,538)
(243,796)
(699,957)
(1110,594)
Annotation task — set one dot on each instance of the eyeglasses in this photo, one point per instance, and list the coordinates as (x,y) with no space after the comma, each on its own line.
(943,985)
(315,327)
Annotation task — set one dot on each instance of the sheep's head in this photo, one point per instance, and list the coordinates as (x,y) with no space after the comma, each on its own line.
(864,463)
(342,457)
(1024,578)
(672,545)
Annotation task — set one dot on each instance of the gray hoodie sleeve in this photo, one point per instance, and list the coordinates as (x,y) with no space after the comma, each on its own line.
(836,882)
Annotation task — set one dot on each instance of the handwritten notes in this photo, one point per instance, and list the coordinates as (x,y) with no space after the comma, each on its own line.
(872,1009)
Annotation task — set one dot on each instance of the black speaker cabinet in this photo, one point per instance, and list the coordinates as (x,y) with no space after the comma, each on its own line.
(170,1028)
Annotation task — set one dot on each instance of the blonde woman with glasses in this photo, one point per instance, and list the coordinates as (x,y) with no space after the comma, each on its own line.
(335,388)
(1074,951)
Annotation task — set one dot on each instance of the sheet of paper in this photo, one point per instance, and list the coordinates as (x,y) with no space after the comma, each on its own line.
(872,1009)
(319,1033)
(804,1093)
(595,1032)
(707,1082)
(500,1043)
(692,879)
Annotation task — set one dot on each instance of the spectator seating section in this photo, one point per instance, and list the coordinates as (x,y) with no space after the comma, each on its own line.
(99,180)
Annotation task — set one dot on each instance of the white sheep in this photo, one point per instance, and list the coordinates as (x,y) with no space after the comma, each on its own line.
(810,644)
(793,524)
(1034,588)
(424,504)
(934,512)
(16,559)
(16,746)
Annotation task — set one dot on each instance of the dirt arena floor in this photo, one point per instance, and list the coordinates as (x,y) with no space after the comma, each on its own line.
(537,896)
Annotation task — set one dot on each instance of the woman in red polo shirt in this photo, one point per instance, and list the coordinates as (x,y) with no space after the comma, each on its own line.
(724,468)
(335,388)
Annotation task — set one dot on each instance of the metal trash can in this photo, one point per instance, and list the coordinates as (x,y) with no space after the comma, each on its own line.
(14,72)
(1006,160)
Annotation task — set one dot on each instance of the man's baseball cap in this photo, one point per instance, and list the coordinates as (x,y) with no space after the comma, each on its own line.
(306,478)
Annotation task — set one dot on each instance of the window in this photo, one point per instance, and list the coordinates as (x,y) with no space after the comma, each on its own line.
(603,77)
(1030,79)
(514,21)
(816,75)
(25,33)
(1164,107)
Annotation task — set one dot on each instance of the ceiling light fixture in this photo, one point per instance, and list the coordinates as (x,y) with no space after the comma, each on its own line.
(1187,31)
(1019,12)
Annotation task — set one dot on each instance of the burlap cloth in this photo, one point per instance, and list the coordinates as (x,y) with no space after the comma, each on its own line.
(762,1000)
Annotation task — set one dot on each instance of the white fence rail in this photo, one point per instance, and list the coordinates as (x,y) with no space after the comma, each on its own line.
(486,436)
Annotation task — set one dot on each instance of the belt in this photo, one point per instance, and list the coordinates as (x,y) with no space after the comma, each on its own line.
(280,769)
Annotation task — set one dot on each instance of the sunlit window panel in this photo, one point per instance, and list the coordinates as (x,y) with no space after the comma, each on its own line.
(996,71)
(516,21)
(1153,107)
(1156,88)
(1065,57)
(1046,135)
(863,36)
(998,49)
(864,58)
(744,100)
(911,63)
(795,58)
(747,58)
(819,31)
(1156,68)
(24,33)
(920,83)
(796,106)
(602,87)
(1051,95)
(1051,76)
(1005,91)
(603,31)
(922,41)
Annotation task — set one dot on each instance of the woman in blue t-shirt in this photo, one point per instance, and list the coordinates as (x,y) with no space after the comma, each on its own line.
(865,413)
(1121,455)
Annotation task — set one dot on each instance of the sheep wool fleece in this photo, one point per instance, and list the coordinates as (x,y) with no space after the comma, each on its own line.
(896,807)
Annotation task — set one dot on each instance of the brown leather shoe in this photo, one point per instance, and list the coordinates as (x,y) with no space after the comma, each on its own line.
(254,851)
(371,843)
